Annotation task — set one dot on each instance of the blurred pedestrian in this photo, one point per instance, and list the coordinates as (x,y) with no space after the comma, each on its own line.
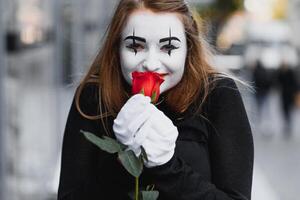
(196,136)
(262,79)
(288,89)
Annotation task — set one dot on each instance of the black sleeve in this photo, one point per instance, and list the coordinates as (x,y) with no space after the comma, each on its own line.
(230,149)
(78,163)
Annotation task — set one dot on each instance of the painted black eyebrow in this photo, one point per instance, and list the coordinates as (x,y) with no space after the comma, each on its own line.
(168,39)
(136,38)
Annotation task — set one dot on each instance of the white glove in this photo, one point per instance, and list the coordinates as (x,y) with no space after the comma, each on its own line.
(135,112)
(160,138)
(140,123)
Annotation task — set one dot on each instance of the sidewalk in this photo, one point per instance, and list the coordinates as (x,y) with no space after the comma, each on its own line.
(277,158)
(261,188)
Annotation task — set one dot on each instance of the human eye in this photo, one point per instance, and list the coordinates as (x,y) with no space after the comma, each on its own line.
(135,47)
(168,48)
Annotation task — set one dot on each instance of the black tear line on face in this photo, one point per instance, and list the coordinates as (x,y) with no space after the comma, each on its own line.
(133,41)
(170,35)
(134,38)
(169,39)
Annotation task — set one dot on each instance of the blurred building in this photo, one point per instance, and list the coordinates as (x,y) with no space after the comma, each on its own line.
(294,19)
(47,45)
(263,31)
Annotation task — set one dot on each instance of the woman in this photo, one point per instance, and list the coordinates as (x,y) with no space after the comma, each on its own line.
(197,137)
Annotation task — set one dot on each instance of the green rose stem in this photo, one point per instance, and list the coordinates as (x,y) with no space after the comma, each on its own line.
(137,188)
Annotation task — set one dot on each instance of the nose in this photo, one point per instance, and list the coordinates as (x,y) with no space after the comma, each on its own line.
(151,62)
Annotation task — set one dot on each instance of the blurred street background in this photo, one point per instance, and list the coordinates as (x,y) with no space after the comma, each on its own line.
(47,45)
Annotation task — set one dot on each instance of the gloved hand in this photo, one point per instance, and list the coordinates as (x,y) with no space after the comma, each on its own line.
(140,123)
(160,138)
(135,112)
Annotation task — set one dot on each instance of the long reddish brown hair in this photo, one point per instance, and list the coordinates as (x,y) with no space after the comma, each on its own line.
(105,70)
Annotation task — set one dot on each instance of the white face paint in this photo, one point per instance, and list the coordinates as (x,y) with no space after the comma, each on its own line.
(154,42)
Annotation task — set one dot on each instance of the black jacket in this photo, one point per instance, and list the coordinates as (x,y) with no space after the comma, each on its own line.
(213,158)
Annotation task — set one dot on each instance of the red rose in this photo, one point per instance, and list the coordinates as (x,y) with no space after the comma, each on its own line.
(147,83)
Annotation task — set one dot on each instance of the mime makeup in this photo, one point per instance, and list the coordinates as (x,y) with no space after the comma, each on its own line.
(154,42)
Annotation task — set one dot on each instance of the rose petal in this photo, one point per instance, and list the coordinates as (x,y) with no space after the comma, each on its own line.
(148,83)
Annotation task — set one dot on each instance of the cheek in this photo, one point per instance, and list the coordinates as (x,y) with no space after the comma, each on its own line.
(127,59)
(176,62)
(177,76)
(171,81)
(129,63)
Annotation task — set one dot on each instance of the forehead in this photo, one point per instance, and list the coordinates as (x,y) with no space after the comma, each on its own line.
(152,25)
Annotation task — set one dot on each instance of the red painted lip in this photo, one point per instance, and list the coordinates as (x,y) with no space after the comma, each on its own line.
(163,74)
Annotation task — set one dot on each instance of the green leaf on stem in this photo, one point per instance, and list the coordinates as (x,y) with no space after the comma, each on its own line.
(145,195)
(150,195)
(131,163)
(106,143)
(122,146)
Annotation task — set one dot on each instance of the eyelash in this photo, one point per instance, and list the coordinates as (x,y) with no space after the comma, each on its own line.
(137,47)
(168,48)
